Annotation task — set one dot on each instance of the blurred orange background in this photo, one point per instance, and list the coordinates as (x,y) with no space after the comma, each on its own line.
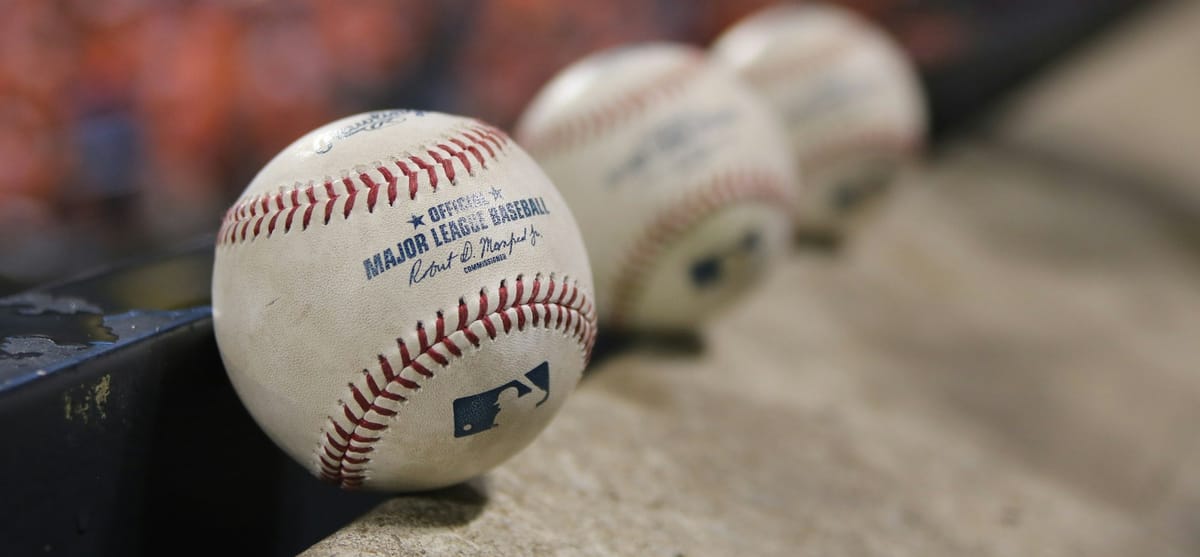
(128,126)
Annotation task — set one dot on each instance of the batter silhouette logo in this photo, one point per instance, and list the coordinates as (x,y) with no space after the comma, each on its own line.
(478,413)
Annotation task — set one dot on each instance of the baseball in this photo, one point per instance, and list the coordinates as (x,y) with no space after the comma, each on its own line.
(402,300)
(678,177)
(846,95)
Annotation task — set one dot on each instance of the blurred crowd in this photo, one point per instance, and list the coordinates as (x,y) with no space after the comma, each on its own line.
(128,125)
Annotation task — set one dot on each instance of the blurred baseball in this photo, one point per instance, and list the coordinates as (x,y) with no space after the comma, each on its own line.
(847,96)
(677,175)
(402,300)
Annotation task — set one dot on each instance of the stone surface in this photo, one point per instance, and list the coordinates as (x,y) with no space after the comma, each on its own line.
(1004,364)
(1127,103)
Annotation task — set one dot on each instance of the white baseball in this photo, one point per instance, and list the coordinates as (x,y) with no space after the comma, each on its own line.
(678,177)
(846,94)
(402,300)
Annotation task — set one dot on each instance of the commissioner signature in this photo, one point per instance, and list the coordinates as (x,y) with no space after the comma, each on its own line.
(473,255)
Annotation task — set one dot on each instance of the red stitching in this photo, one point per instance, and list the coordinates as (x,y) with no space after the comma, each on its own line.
(460,155)
(412,178)
(799,63)
(351,193)
(311,195)
(275,217)
(470,149)
(722,190)
(573,131)
(331,198)
(447,165)
(345,437)
(495,136)
(244,221)
(372,191)
(429,170)
(478,140)
(391,183)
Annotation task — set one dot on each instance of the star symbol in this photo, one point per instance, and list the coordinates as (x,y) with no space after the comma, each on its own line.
(417,220)
(497,194)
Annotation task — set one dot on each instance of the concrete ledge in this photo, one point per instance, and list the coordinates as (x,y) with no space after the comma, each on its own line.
(1003,365)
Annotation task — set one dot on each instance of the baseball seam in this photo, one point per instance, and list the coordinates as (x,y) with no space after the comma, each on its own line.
(576,130)
(374,400)
(245,220)
(721,190)
(788,67)
(782,71)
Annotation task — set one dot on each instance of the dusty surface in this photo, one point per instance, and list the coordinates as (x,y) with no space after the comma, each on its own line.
(1004,365)
(1127,103)
(1007,362)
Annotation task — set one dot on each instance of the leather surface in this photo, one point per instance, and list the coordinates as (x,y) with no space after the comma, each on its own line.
(847,96)
(657,151)
(304,327)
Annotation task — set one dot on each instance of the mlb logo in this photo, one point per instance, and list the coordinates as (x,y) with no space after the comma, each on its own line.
(477,413)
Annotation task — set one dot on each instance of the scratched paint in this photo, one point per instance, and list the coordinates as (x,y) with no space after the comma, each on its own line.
(88,402)
(40,334)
